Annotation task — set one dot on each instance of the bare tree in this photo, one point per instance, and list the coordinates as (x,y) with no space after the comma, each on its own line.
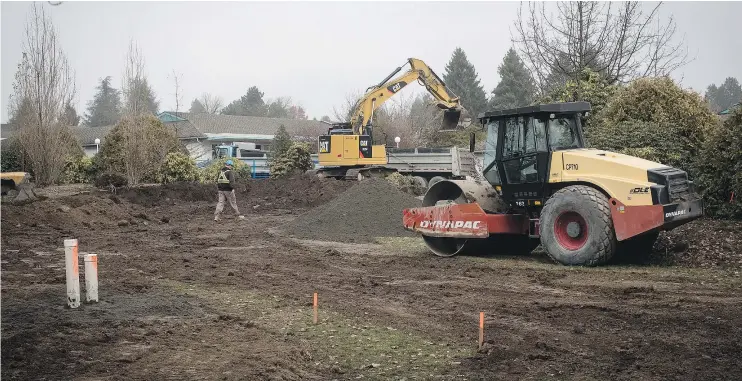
(44,85)
(177,78)
(212,103)
(619,41)
(145,141)
(134,97)
(344,111)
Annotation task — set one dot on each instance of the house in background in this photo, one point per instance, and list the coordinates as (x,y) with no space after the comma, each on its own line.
(201,133)
(230,129)
(87,136)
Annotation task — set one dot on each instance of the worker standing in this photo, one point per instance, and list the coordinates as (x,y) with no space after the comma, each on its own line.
(225,190)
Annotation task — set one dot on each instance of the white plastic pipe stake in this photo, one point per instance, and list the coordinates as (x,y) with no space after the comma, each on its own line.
(73,273)
(91,277)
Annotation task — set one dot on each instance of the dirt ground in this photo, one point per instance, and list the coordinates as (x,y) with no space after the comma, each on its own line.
(183,297)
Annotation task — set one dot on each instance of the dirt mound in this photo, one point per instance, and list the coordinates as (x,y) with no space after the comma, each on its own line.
(372,208)
(289,193)
(701,243)
(51,220)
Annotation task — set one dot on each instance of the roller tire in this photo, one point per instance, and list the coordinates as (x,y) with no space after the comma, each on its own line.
(596,242)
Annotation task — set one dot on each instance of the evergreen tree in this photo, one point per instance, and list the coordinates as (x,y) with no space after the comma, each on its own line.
(516,87)
(70,115)
(197,107)
(105,108)
(250,104)
(143,95)
(277,109)
(281,142)
(725,96)
(461,77)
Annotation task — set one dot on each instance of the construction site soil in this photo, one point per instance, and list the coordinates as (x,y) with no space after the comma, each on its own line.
(184,297)
(371,209)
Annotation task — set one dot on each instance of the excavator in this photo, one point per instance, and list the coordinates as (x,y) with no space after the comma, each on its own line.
(347,150)
(541,185)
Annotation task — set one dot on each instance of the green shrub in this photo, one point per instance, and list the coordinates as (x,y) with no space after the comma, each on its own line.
(209,174)
(403,183)
(178,167)
(77,170)
(295,160)
(11,157)
(136,148)
(109,179)
(647,140)
(719,168)
(591,87)
(657,116)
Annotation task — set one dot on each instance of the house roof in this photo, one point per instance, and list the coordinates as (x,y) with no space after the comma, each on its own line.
(87,135)
(234,124)
(730,109)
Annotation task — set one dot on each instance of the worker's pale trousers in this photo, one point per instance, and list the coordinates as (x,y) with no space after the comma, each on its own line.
(228,195)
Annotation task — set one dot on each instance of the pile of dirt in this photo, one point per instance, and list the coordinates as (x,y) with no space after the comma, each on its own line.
(53,219)
(371,208)
(302,191)
(701,243)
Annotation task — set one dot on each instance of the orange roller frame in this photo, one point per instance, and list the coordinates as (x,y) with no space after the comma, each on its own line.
(461,221)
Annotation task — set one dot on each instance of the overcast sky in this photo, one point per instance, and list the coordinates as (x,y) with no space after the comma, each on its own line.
(314,52)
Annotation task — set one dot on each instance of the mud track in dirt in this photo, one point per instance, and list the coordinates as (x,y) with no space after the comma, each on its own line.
(193,299)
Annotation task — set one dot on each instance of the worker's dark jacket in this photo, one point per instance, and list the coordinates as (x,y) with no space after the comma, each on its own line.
(225,180)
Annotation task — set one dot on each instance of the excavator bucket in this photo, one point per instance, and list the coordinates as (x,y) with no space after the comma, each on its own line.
(16,187)
(451,120)
(25,193)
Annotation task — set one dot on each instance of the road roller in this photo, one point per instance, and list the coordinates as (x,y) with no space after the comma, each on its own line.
(540,185)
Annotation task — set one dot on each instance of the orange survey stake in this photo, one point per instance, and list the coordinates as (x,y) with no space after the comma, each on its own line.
(315,308)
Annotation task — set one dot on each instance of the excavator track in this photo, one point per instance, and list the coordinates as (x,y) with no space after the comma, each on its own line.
(361,174)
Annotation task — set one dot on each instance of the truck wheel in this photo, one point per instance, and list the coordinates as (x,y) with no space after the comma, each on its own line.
(420,185)
(435,180)
(577,228)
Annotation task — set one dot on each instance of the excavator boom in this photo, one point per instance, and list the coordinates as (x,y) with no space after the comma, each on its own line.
(375,96)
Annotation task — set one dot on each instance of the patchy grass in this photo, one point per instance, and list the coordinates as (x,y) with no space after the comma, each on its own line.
(344,345)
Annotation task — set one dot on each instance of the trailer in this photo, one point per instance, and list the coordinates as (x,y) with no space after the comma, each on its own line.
(430,165)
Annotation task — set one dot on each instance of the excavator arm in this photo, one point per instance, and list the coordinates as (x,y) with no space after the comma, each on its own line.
(375,96)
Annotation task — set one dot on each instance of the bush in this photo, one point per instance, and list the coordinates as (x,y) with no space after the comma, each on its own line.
(655,116)
(178,167)
(110,179)
(137,148)
(647,140)
(295,160)
(11,158)
(403,183)
(592,88)
(77,170)
(719,168)
(209,174)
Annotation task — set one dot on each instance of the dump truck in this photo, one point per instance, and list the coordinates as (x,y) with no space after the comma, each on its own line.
(427,166)
(540,185)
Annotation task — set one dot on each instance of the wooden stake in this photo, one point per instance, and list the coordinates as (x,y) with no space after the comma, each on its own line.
(481,329)
(315,308)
